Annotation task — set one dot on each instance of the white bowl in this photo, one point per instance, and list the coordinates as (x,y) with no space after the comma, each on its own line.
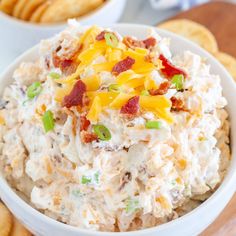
(17,35)
(192,223)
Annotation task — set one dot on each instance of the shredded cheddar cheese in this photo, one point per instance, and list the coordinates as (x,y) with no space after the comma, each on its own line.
(133,81)
(95,110)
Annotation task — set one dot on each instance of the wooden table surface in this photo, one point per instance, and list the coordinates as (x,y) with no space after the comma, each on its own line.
(220,19)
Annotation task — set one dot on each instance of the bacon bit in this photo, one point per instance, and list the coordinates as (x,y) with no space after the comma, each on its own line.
(123,65)
(56,60)
(177,104)
(75,98)
(163,89)
(170,70)
(87,137)
(86,100)
(149,42)
(67,66)
(101,36)
(66,63)
(84,123)
(134,43)
(148,58)
(131,107)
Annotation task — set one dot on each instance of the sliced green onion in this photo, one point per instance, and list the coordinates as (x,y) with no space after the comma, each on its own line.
(153,125)
(178,81)
(34,90)
(131,205)
(114,88)
(85,180)
(48,121)
(25,102)
(96,177)
(111,40)
(54,75)
(145,93)
(102,132)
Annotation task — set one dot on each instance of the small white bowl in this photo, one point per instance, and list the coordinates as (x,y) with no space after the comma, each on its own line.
(192,223)
(18,35)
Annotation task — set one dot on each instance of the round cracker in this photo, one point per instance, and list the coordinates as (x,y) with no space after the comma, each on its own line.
(36,16)
(7,6)
(29,8)
(61,10)
(228,61)
(193,31)
(5,220)
(19,6)
(18,229)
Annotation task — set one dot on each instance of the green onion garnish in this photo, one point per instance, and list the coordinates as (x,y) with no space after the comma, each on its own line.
(131,205)
(102,132)
(96,177)
(48,121)
(111,40)
(145,93)
(114,88)
(34,90)
(85,180)
(153,125)
(178,81)
(54,75)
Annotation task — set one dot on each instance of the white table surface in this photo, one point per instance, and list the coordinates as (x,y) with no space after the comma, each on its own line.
(136,11)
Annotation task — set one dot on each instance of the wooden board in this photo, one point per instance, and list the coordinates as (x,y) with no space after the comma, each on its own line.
(220,19)
(225,224)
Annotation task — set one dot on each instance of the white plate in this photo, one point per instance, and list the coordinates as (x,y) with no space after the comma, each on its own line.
(190,224)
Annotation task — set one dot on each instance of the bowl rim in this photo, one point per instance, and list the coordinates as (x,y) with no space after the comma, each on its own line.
(55,25)
(212,200)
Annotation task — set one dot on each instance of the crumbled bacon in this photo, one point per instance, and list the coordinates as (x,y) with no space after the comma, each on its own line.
(84,123)
(67,66)
(75,98)
(177,104)
(149,42)
(56,60)
(123,65)
(87,137)
(133,43)
(163,89)
(101,35)
(131,107)
(169,69)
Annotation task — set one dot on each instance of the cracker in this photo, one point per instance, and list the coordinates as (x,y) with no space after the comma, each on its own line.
(5,220)
(29,8)
(36,16)
(7,6)
(228,61)
(193,31)
(61,10)
(18,229)
(19,6)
